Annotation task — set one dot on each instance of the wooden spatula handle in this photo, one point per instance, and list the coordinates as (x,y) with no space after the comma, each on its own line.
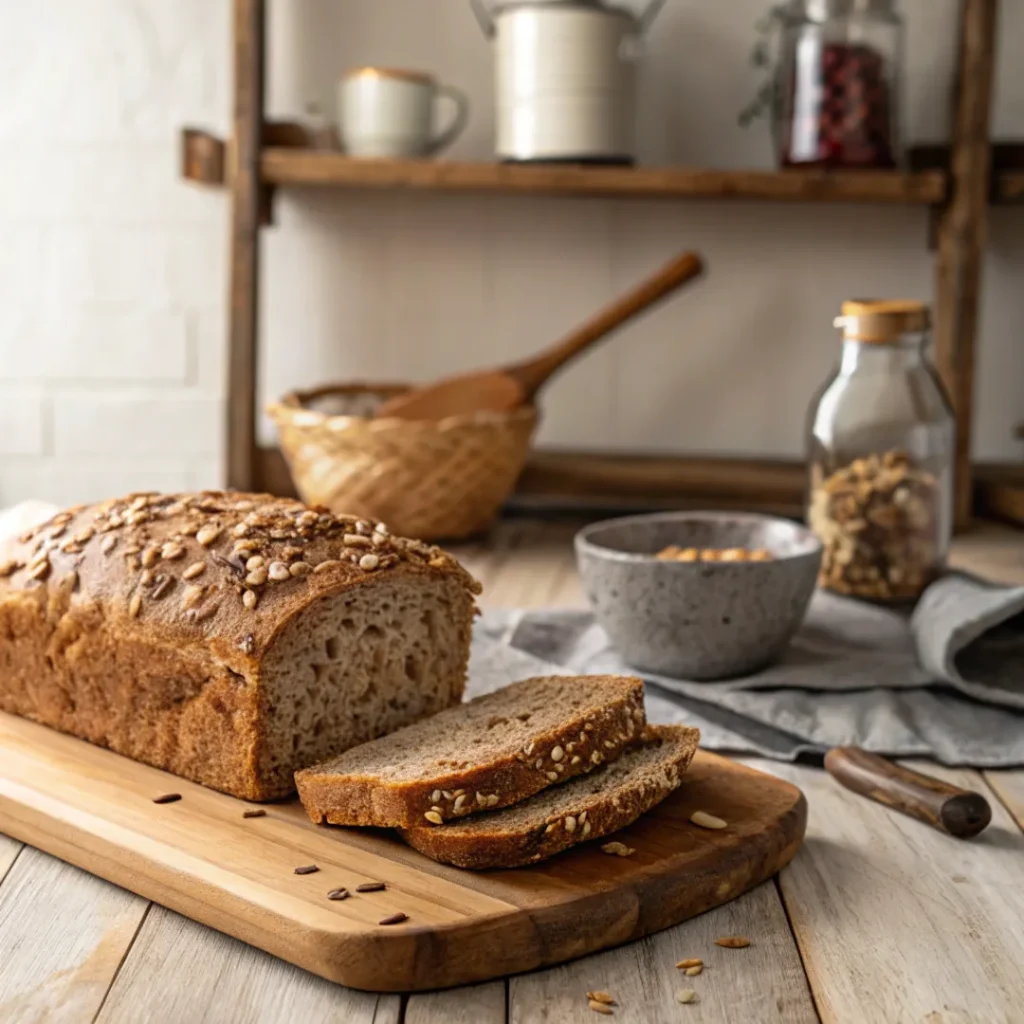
(532,374)
(959,812)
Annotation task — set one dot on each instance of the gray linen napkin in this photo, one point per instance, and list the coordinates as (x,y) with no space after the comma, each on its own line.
(947,683)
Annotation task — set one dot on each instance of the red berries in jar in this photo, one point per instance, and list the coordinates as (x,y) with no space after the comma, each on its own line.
(837,108)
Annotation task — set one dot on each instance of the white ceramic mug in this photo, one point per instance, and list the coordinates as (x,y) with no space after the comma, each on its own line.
(385,113)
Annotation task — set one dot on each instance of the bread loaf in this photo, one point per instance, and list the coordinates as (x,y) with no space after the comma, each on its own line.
(491,752)
(228,638)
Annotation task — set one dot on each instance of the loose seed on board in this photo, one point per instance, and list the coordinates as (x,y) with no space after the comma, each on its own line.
(733,942)
(617,849)
(307,869)
(371,887)
(686,995)
(693,961)
(599,1007)
(692,972)
(705,820)
(601,997)
(257,813)
(338,894)
(394,919)
(167,798)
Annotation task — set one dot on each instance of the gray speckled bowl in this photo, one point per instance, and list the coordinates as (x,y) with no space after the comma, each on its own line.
(698,620)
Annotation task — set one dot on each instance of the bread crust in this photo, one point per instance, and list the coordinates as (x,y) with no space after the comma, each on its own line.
(141,624)
(585,742)
(605,813)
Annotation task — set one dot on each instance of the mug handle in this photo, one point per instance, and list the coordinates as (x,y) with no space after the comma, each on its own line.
(452,132)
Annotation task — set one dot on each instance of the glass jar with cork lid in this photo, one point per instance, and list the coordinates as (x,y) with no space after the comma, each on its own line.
(881,455)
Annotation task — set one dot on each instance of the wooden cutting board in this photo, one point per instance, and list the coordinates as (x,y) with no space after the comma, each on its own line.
(200,857)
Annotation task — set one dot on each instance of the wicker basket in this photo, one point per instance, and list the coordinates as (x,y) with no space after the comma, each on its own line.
(433,480)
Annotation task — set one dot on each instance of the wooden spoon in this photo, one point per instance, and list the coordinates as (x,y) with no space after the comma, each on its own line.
(506,389)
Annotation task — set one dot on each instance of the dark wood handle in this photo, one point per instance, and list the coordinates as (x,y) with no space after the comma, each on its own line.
(532,374)
(959,812)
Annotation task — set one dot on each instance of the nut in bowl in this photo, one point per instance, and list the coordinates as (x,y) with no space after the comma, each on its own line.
(701,616)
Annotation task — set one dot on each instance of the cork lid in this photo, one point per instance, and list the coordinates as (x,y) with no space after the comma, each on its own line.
(882,321)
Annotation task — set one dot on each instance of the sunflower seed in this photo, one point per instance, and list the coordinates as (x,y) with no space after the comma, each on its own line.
(434,818)
(206,535)
(570,823)
(705,820)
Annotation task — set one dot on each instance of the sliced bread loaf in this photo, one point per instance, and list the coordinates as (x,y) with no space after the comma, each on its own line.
(562,816)
(490,752)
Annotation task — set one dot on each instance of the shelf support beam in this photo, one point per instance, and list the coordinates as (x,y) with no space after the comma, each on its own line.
(247,207)
(962,225)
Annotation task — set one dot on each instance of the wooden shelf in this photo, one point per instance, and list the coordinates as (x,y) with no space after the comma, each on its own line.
(1010,187)
(291,166)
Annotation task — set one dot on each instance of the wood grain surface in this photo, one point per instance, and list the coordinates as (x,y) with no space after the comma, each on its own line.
(1009,787)
(199,856)
(312,167)
(879,902)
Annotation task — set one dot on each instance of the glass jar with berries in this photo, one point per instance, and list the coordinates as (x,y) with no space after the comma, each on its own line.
(837,84)
(881,452)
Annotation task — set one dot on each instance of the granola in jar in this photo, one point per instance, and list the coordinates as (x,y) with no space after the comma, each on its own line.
(879,519)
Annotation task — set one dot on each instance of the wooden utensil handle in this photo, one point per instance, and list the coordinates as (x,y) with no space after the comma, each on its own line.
(533,373)
(959,812)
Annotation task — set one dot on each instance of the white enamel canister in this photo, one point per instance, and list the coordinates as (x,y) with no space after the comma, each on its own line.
(564,78)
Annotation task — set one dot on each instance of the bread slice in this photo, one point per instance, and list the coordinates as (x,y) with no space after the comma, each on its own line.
(581,810)
(491,752)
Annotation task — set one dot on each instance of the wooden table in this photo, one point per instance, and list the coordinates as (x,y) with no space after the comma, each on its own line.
(878,919)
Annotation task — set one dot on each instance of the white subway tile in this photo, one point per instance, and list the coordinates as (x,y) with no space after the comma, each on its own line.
(22,423)
(119,426)
(69,343)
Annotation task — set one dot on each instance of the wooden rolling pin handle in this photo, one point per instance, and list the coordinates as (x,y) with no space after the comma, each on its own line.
(959,812)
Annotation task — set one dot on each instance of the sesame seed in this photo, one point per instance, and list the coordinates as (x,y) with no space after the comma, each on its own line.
(193,595)
(172,550)
(194,570)
(150,557)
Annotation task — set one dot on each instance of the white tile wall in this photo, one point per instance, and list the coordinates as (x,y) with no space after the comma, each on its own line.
(113,272)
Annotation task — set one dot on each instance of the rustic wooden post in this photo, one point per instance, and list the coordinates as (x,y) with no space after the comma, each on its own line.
(961,230)
(249,27)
